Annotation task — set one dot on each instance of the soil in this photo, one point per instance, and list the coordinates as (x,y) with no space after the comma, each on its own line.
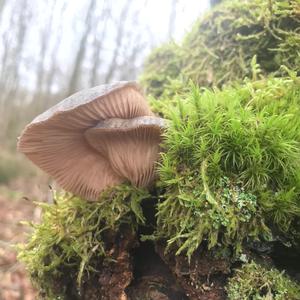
(203,278)
(16,205)
(116,274)
(14,282)
(287,259)
(115,277)
(135,273)
(153,280)
(147,273)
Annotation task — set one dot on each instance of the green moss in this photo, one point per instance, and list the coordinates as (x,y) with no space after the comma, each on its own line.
(222,44)
(253,282)
(230,171)
(162,65)
(71,240)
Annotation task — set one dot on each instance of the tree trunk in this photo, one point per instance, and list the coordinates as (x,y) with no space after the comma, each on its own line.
(214,2)
(75,77)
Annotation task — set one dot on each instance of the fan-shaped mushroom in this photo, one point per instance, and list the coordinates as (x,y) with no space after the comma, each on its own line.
(96,138)
(131,146)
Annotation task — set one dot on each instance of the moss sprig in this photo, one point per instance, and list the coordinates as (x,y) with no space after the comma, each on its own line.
(230,167)
(255,282)
(72,236)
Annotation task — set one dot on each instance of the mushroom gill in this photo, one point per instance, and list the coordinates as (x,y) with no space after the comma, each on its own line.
(56,140)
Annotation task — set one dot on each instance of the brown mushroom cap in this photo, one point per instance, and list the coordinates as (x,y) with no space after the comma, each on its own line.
(55,140)
(130,145)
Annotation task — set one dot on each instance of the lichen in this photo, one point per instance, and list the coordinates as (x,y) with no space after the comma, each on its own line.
(253,281)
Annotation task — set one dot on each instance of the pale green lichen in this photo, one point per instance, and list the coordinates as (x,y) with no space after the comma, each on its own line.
(255,282)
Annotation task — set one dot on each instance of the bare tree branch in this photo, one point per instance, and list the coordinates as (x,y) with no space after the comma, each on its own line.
(40,78)
(54,68)
(98,44)
(74,81)
(119,37)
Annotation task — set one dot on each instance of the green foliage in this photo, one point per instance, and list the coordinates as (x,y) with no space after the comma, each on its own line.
(222,45)
(255,282)
(230,171)
(71,237)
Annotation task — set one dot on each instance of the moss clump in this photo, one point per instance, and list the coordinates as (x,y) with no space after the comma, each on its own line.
(231,168)
(73,238)
(253,282)
(163,64)
(221,45)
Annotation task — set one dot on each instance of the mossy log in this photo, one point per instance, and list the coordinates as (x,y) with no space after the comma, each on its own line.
(227,194)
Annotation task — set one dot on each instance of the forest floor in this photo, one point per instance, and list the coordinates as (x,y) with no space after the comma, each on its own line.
(16,205)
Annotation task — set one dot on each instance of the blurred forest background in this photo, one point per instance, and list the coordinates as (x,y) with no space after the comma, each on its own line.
(49,50)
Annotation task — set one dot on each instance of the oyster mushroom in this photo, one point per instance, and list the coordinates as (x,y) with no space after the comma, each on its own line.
(130,145)
(96,138)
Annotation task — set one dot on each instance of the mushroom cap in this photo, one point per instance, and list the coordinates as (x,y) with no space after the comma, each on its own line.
(55,140)
(130,145)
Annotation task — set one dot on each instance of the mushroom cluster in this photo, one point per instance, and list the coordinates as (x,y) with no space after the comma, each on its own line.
(96,138)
